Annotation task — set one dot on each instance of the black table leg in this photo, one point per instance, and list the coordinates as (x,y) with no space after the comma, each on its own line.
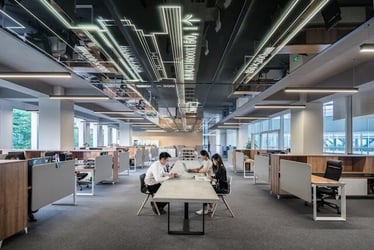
(186,223)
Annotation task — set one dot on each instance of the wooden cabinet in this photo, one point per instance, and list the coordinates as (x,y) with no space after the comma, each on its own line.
(358,170)
(13,197)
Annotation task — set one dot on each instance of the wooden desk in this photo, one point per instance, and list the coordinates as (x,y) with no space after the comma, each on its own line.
(187,191)
(318,181)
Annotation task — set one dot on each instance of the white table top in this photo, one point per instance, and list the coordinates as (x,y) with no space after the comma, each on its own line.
(186,190)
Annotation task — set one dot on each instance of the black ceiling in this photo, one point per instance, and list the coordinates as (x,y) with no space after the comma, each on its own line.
(229,33)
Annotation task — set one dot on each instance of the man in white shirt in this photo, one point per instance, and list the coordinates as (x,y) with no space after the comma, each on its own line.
(155,175)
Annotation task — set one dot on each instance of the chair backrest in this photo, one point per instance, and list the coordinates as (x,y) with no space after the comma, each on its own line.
(333,170)
(143,187)
(229,181)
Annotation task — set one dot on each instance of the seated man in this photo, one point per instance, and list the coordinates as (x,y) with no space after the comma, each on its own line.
(155,175)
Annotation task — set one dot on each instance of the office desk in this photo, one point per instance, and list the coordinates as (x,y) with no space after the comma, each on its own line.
(318,181)
(187,191)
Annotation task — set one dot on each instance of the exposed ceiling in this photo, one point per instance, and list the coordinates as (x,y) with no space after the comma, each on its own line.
(173,61)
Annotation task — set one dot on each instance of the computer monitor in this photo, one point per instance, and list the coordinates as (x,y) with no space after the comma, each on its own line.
(19,155)
(104,153)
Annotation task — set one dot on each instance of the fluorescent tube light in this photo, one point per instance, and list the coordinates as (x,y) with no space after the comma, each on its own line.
(155,131)
(233,123)
(321,90)
(35,75)
(367,47)
(239,92)
(79,97)
(229,127)
(279,106)
(129,118)
(250,118)
(116,112)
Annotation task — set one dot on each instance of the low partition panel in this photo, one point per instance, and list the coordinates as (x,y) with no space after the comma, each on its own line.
(103,168)
(124,161)
(52,182)
(295,178)
(262,168)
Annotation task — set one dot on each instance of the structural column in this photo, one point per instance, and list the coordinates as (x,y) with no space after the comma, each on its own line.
(307,130)
(6,125)
(56,124)
(124,134)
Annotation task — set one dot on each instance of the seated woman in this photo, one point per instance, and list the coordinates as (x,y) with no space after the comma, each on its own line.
(220,178)
(219,181)
(206,166)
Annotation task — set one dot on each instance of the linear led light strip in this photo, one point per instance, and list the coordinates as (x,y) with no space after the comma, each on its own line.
(123,60)
(279,106)
(308,17)
(268,36)
(35,75)
(59,37)
(92,38)
(321,90)
(129,67)
(172,22)
(20,26)
(90,58)
(81,27)
(141,37)
(250,118)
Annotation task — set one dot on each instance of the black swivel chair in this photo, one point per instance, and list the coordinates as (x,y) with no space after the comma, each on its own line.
(333,171)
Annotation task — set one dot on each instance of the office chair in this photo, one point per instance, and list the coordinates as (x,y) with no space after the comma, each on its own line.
(222,196)
(81,181)
(144,190)
(333,171)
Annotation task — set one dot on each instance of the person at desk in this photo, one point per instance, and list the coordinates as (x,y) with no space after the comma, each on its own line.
(206,166)
(155,175)
(220,178)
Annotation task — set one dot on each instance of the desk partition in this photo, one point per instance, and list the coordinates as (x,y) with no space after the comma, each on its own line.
(103,168)
(295,179)
(52,182)
(261,169)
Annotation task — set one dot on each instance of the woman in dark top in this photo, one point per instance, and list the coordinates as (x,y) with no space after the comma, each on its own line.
(220,177)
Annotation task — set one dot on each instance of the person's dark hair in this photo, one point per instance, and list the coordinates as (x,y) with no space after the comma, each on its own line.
(164,155)
(218,158)
(204,153)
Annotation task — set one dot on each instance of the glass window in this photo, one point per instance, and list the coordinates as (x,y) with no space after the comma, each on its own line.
(275,123)
(333,131)
(363,135)
(21,129)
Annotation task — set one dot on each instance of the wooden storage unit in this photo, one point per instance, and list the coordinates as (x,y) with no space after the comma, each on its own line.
(356,168)
(13,197)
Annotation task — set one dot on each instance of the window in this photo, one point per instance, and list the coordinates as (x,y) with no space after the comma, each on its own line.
(333,131)
(363,135)
(21,129)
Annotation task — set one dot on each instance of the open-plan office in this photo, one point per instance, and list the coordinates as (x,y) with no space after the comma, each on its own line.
(91,92)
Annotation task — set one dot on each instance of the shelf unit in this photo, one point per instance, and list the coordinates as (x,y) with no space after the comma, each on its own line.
(188,154)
